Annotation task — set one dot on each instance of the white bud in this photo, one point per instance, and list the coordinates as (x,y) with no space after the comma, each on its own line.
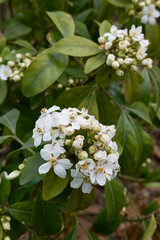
(13,175)
(22,65)
(83,155)
(8,218)
(131,12)
(6,226)
(142,4)
(68,142)
(148,2)
(105,138)
(92,149)
(71,81)
(28,55)
(78,143)
(7,238)
(134,68)
(158,3)
(19,55)
(111,57)
(27,61)
(16,72)
(21,74)
(69,131)
(60,85)
(1,59)
(100,155)
(21,166)
(119,72)
(16,78)
(11,63)
(115,64)
(79,136)
(108,45)
(123,45)
(101,40)
(120,61)
(128,61)
(96,128)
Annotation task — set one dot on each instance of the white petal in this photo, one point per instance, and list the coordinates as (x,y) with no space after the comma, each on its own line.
(45,154)
(156,14)
(76,183)
(93,176)
(86,187)
(111,38)
(144,19)
(37,140)
(113,29)
(152,20)
(101,179)
(44,168)
(47,137)
(108,168)
(65,163)
(75,173)
(60,171)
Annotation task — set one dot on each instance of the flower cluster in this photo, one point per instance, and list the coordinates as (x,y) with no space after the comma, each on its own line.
(125,50)
(76,139)
(14,70)
(146,10)
(5,221)
(71,82)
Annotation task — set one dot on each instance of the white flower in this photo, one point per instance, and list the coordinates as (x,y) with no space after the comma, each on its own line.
(100,155)
(150,14)
(134,68)
(128,61)
(59,165)
(114,34)
(113,145)
(136,33)
(105,138)
(5,72)
(120,60)
(85,166)
(115,64)
(144,43)
(69,130)
(110,130)
(78,143)
(141,54)
(110,59)
(6,226)
(98,176)
(108,45)
(147,62)
(80,180)
(123,44)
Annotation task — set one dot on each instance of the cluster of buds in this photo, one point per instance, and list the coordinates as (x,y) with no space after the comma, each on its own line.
(146,10)
(125,50)
(76,138)
(5,222)
(71,82)
(19,66)
(15,173)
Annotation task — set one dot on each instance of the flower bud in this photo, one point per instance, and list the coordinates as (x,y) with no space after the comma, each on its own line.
(96,137)
(78,143)
(142,4)
(120,61)
(82,155)
(8,218)
(92,149)
(69,131)
(134,68)
(108,45)
(28,55)
(115,64)
(128,61)
(13,175)
(79,136)
(104,138)
(119,72)
(7,238)
(11,63)
(101,40)
(16,78)
(19,55)
(96,128)
(60,85)
(1,59)
(71,81)
(123,45)
(6,226)
(21,166)
(131,12)
(68,142)
(22,65)
(100,155)
(148,2)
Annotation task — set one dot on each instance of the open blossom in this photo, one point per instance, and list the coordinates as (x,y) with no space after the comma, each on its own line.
(73,134)
(5,72)
(149,14)
(125,49)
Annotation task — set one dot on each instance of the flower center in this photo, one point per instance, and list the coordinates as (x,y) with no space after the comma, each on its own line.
(5,72)
(73,116)
(53,160)
(39,130)
(84,166)
(59,129)
(134,33)
(43,110)
(99,169)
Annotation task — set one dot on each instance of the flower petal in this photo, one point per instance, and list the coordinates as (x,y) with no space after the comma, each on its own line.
(45,154)
(86,187)
(76,183)
(101,179)
(60,171)
(65,163)
(44,168)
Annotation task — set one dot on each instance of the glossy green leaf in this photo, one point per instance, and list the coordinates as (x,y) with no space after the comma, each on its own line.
(53,185)
(75,71)
(16,29)
(153,206)
(155,76)
(2,43)
(79,201)
(1,232)
(140,109)
(22,211)
(30,171)
(43,72)
(64,22)
(3,90)
(47,219)
(5,188)
(10,119)
(150,229)
(102,226)
(25,44)
(104,27)
(120,3)
(76,46)
(94,62)
(153,35)
(114,198)
(82,30)
(3,138)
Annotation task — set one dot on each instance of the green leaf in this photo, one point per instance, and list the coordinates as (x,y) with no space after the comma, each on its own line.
(140,109)
(153,206)
(25,44)
(75,71)
(104,27)
(76,46)
(94,62)
(22,211)
(47,219)
(82,30)
(72,235)
(3,138)
(5,188)
(43,72)
(2,43)
(102,226)
(64,22)
(3,90)
(10,120)
(145,87)
(53,185)
(16,29)
(114,198)
(79,201)
(30,170)
(155,76)
(150,229)
(1,232)
(131,136)
(120,3)
(132,85)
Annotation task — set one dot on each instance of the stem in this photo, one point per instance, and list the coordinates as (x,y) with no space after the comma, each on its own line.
(132,179)
(22,143)
(138,219)
(110,96)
